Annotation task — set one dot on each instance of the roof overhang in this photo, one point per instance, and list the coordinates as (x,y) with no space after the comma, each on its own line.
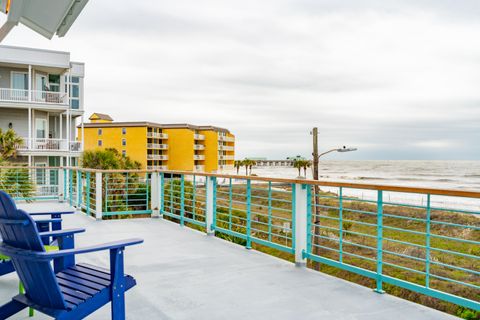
(47,17)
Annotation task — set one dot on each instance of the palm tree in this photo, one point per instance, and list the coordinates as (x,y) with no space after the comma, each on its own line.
(107,159)
(306,164)
(248,163)
(237,165)
(298,165)
(9,141)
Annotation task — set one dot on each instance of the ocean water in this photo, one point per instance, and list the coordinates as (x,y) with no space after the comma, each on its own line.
(456,175)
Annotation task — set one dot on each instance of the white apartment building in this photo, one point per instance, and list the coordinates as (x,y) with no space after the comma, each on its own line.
(41,98)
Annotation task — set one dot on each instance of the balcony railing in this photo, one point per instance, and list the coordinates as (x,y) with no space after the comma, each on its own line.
(224,138)
(226,148)
(20,95)
(199,168)
(198,157)
(420,239)
(39,144)
(198,147)
(199,136)
(157,157)
(159,146)
(157,135)
(156,167)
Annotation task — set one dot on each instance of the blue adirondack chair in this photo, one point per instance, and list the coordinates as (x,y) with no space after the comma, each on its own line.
(68,290)
(6,265)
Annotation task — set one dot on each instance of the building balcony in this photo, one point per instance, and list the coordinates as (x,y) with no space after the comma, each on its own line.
(157,167)
(227,139)
(198,147)
(33,96)
(157,135)
(198,157)
(226,148)
(199,168)
(157,157)
(160,146)
(222,157)
(49,145)
(199,136)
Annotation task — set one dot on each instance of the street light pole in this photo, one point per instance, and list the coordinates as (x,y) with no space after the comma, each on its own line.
(316,157)
(316,229)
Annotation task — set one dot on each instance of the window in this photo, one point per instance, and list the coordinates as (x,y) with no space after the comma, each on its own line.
(40,128)
(124,142)
(41,177)
(124,130)
(124,153)
(54,82)
(100,143)
(74,92)
(19,80)
(100,132)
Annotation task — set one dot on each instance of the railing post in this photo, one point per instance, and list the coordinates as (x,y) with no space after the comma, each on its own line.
(98,195)
(155,194)
(427,243)
(249,214)
(182,200)
(379,288)
(210,204)
(61,184)
(300,203)
(79,188)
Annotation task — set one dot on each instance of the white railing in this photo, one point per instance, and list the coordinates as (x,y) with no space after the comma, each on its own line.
(157,168)
(157,146)
(49,145)
(199,136)
(21,95)
(198,147)
(198,157)
(229,157)
(157,157)
(157,135)
(226,148)
(75,146)
(199,168)
(224,138)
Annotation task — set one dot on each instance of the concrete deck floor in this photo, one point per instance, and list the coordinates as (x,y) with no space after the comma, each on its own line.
(184,274)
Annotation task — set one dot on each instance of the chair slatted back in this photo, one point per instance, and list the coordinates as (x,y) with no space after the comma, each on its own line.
(38,278)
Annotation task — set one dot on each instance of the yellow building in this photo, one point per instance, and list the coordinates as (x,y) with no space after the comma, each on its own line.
(183,147)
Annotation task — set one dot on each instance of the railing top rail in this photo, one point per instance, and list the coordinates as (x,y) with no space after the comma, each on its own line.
(382,187)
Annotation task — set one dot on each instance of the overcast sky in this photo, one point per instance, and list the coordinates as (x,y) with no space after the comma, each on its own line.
(397,79)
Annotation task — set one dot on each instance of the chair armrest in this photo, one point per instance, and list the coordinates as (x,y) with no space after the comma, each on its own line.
(60,233)
(51,213)
(47,256)
(48,220)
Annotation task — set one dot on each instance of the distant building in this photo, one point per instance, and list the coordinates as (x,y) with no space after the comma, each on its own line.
(41,99)
(183,147)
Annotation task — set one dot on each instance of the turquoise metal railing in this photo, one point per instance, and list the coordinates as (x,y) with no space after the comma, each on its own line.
(423,240)
(425,248)
(257,213)
(126,193)
(30,183)
(184,198)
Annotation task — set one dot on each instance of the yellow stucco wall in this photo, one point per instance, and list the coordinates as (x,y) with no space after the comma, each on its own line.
(180,149)
(136,138)
(211,150)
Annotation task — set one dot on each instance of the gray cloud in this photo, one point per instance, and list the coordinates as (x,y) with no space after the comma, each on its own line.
(399,79)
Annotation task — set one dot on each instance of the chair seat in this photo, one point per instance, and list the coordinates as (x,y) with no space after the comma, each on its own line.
(79,284)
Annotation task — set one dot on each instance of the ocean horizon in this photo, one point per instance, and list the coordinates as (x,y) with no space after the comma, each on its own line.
(439,174)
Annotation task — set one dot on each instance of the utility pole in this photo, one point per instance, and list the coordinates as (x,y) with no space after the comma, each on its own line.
(316,229)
